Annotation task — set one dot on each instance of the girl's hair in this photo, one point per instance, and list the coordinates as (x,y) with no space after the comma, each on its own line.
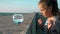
(52,3)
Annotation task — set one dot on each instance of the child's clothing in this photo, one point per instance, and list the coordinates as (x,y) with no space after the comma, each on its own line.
(55,29)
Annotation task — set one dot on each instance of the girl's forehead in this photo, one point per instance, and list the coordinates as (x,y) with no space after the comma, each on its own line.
(43,5)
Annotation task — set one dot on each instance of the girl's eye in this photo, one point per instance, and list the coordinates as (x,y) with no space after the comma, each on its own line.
(41,10)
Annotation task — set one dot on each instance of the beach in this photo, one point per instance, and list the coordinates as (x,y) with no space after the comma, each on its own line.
(7,26)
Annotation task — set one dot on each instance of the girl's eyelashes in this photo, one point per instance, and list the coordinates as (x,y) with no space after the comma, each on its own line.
(41,10)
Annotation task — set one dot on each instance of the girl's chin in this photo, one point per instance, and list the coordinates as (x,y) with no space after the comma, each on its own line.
(44,15)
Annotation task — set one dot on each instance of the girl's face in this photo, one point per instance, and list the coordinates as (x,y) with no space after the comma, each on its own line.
(44,9)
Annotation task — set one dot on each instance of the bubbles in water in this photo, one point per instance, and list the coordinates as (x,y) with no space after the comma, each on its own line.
(18,18)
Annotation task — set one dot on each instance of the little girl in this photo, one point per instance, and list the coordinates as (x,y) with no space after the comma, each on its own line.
(49,9)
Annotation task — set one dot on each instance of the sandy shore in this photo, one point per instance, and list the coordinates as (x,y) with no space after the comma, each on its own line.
(8,27)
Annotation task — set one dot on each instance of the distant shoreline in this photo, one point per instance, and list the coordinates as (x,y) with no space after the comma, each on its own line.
(8,14)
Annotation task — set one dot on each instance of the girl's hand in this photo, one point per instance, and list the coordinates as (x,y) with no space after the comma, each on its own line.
(40,21)
(49,24)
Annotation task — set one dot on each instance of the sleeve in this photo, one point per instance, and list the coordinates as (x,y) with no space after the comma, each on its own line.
(57,25)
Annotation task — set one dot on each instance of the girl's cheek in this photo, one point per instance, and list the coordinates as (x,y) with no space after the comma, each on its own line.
(43,13)
(47,13)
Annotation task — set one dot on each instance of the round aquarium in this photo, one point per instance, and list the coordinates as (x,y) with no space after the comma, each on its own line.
(18,18)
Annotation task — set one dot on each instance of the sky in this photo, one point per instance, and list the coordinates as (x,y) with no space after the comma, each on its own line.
(19,6)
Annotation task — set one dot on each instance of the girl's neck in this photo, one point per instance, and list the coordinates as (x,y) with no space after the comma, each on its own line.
(50,16)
